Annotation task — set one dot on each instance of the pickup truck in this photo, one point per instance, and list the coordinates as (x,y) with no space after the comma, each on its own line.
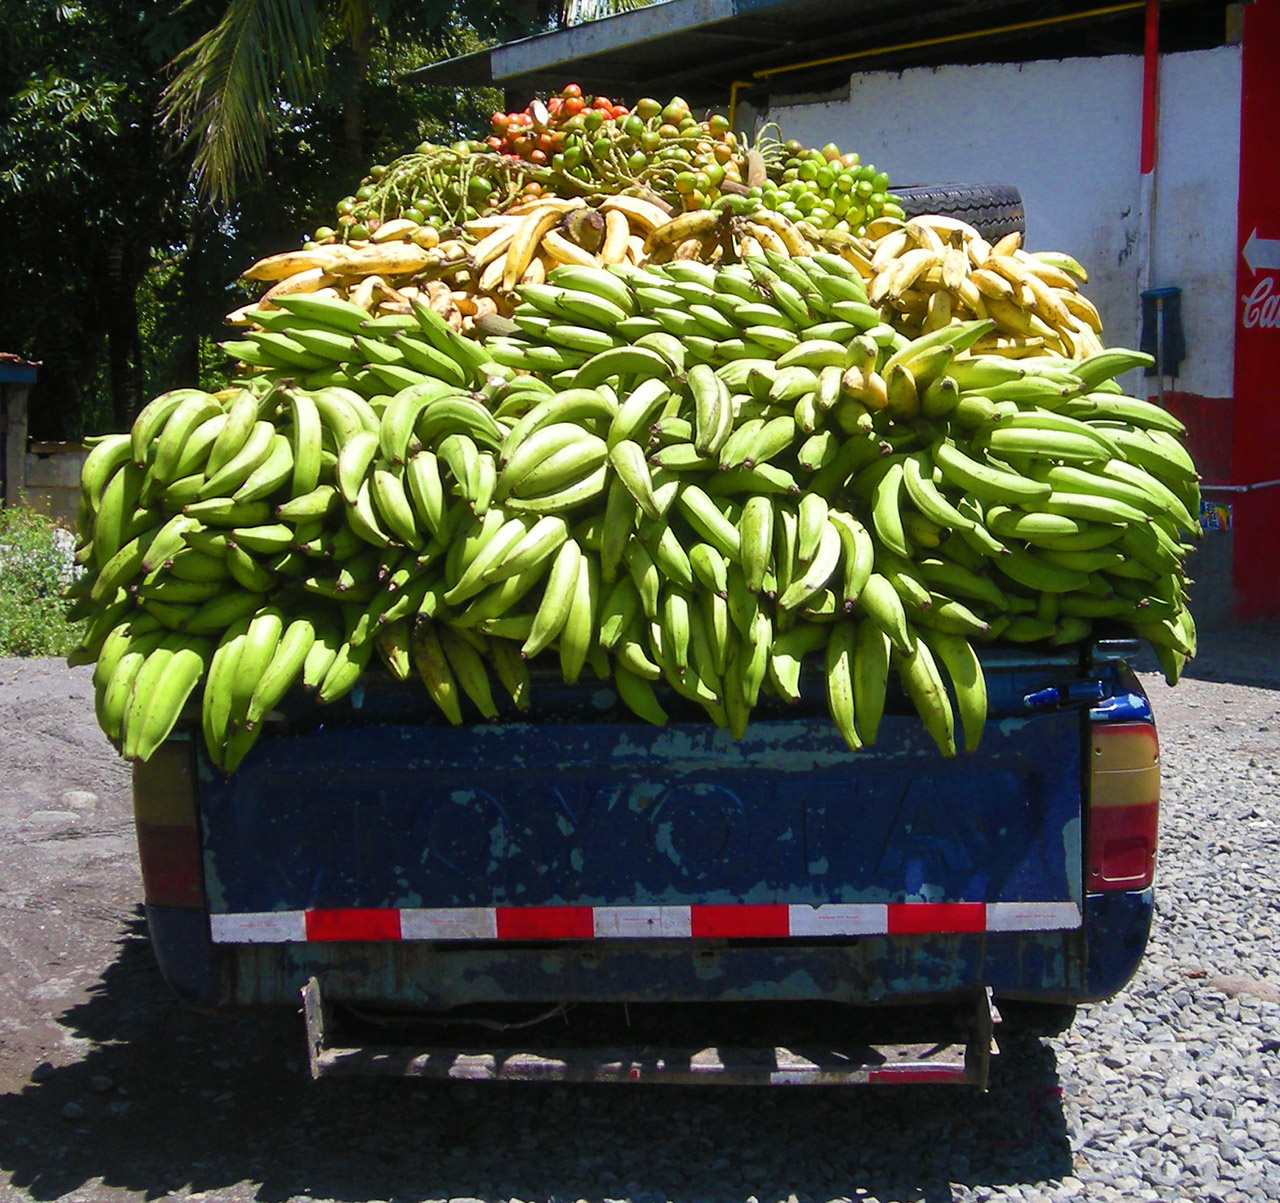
(570,894)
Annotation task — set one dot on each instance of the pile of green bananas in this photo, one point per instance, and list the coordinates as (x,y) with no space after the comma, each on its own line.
(673,474)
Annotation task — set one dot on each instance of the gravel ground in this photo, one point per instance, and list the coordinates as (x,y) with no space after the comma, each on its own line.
(110,1092)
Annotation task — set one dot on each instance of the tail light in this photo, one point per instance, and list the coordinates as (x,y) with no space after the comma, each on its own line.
(164,811)
(1124,805)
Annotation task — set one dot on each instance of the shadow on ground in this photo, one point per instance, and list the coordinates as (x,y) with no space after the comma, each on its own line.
(167,1101)
(1234,655)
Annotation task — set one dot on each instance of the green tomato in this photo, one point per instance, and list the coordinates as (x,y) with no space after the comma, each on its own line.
(365,193)
(808,171)
(825,178)
(637,162)
(358,231)
(880,181)
(806,202)
(647,108)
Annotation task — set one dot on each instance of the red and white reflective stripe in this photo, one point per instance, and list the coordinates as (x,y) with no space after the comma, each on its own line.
(910,1075)
(769,921)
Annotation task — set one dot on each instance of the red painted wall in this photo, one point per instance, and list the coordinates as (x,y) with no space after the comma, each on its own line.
(1255,451)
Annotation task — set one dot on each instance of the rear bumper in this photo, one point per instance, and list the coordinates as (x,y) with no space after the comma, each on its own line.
(1085,965)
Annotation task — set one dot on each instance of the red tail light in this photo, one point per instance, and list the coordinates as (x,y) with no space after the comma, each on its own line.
(164,811)
(1124,806)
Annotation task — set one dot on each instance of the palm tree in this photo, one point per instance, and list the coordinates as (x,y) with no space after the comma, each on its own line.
(226,94)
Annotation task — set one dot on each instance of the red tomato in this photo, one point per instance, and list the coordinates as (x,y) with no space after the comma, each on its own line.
(620,111)
(539,157)
(603,103)
(494,143)
(573,106)
(572,91)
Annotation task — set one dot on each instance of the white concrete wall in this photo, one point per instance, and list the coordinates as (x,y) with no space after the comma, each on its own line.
(1066,133)
(1197,189)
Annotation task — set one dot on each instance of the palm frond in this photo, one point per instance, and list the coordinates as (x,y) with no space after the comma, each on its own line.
(229,86)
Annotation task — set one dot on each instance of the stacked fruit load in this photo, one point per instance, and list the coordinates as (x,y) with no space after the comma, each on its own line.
(575,145)
(431,221)
(675,473)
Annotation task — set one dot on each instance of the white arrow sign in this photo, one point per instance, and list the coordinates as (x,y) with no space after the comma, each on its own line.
(1262,253)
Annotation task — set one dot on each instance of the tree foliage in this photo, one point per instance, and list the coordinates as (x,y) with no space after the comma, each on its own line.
(118,273)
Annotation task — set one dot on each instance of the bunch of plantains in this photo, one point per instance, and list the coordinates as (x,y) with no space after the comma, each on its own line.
(870,459)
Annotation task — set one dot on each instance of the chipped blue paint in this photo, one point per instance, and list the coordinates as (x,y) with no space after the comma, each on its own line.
(791,816)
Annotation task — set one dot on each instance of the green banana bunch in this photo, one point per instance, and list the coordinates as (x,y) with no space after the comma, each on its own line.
(686,478)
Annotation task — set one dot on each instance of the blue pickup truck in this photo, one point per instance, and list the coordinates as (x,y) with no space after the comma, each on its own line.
(571,894)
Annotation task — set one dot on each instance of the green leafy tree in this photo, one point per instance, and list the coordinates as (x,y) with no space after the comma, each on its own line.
(88,189)
(121,271)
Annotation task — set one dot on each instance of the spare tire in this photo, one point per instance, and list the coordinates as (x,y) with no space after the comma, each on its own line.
(994,210)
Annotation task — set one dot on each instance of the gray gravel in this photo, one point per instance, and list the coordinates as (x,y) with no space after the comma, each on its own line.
(1170,1091)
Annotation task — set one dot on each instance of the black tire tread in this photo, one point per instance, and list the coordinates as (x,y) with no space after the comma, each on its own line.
(994,210)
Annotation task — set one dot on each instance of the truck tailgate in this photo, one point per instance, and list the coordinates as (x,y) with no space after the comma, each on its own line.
(524,831)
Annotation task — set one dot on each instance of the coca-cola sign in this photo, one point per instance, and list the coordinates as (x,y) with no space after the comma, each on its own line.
(1261,305)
